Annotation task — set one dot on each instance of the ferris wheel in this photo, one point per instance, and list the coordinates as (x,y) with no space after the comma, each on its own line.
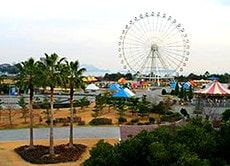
(154,46)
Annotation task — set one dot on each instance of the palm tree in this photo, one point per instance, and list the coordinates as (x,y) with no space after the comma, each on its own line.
(50,66)
(74,78)
(28,78)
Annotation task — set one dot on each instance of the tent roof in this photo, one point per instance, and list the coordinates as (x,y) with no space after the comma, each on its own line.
(214,89)
(122,80)
(92,87)
(212,78)
(114,86)
(173,85)
(89,79)
(125,93)
(186,85)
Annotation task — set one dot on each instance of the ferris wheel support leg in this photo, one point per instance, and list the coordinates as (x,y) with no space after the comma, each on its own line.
(158,81)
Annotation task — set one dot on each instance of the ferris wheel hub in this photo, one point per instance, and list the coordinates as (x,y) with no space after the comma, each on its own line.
(154,47)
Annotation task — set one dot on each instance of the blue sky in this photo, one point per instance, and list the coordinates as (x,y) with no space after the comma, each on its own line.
(89,30)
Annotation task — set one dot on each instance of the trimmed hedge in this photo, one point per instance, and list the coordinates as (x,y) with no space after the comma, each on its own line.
(171,117)
(101,121)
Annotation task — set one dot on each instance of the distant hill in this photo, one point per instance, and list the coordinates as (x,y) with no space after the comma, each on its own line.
(8,69)
(93,70)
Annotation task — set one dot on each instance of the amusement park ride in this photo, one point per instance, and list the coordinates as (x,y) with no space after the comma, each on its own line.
(154,47)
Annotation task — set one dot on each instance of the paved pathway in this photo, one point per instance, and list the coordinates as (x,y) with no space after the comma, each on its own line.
(61,133)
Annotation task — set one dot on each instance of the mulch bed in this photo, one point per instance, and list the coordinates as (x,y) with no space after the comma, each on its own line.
(40,154)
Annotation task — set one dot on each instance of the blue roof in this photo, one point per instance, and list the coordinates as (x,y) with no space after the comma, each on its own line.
(186,85)
(124,93)
(173,85)
(114,86)
(212,78)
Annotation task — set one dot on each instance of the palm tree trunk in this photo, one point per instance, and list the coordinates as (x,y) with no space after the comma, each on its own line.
(51,122)
(31,118)
(71,118)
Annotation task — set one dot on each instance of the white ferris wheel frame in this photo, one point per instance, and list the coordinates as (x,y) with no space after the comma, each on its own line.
(154,46)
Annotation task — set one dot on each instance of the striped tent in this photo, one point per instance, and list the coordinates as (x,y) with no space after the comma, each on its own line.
(214,89)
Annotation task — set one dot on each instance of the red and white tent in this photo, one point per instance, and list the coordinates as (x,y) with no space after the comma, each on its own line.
(214,89)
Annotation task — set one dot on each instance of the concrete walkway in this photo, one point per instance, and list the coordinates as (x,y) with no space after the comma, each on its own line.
(62,133)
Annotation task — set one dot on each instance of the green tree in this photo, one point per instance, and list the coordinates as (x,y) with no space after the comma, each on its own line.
(28,78)
(191,159)
(133,104)
(100,104)
(163,92)
(226,115)
(206,74)
(50,66)
(224,139)
(82,102)
(143,106)
(98,154)
(190,93)
(121,107)
(184,112)
(193,144)
(181,93)
(198,137)
(74,78)
(46,106)
(0,111)
(177,89)
(22,103)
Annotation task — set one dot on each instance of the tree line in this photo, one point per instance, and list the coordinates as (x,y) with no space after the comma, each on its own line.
(225,77)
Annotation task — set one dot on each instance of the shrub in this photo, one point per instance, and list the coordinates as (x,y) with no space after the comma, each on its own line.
(81,123)
(197,111)
(183,111)
(101,121)
(48,122)
(151,120)
(134,120)
(163,92)
(122,120)
(174,101)
(226,115)
(171,117)
(140,123)
(172,92)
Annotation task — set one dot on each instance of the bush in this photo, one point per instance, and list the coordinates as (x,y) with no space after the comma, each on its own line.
(134,120)
(81,123)
(172,92)
(48,122)
(174,101)
(122,120)
(171,117)
(151,120)
(140,123)
(184,112)
(197,111)
(101,121)
(226,115)
(163,92)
